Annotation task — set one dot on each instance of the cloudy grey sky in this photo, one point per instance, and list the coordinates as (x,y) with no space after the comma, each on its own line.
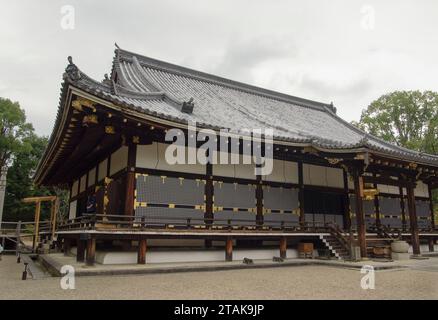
(349,52)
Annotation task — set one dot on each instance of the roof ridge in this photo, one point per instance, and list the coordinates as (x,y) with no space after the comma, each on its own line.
(207,77)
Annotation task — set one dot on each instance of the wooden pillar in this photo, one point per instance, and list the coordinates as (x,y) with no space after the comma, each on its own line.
(80,254)
(283,247)
(415,239)
(347,217)
(67,246)
(130,180)
(209,196)
(376,205)
(55,209)
(432,216)
(129,195)
(141,254)
(403,208)
(301,193)
(259,202)
(208,243)
(91,251)
(431,243)
(361,231)
(36,225)
(229,249)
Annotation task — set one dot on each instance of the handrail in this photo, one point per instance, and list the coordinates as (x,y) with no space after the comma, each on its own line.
(386,232)
(88,221)
(337,232)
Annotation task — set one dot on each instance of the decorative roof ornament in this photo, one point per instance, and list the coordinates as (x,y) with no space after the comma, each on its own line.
(106,80)
(364,141)
(187,106)
(72,72)
(333,107)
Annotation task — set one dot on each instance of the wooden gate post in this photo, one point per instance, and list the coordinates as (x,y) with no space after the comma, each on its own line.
(91,251)
(80,254)
(283,247)
(141,254)
(229,249)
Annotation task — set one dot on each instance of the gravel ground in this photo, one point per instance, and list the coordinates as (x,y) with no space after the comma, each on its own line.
(309,282)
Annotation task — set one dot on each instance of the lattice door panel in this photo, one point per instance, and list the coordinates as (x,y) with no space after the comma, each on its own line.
(390,212)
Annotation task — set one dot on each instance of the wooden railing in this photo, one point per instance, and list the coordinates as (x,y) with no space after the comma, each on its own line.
(338,233)
(15,232)
(386,232)
(90,222)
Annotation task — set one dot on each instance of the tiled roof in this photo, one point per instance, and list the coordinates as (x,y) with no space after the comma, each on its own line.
(159,89)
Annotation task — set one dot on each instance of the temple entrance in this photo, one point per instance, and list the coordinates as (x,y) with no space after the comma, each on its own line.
(323,207)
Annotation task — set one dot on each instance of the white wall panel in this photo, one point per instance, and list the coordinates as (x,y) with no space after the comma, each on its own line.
(147,156)
(163,164)
(223,170)
(335,177)
(393,190)
(83,183)
(245,171)
(421,190)
(383,188)
(75,188)
(314,175)
(72,210)
(291,172)
(119,160)
(277,174)
(91,177)
(103,169)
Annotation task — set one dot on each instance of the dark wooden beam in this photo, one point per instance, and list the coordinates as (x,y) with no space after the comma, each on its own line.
(403,208)
(91,252)
(361,230)
(432,215)
(130,180)
(283,247)
(301,193)
(80,254)
(259,201)
(376,205)
(431,243)
(67,246)
(229,249)
(413,219)
(141,254)
(209,195)
(346,217)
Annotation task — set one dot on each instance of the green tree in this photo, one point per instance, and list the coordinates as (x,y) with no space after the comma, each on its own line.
(13,131)
(20,150)
(406,118)
(20,183)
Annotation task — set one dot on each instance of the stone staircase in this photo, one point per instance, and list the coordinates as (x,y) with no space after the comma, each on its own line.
(335,247)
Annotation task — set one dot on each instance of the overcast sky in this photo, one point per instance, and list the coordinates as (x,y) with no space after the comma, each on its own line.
(348,52)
